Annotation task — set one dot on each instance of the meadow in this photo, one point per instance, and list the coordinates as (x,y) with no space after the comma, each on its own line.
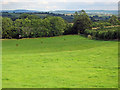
(70,61)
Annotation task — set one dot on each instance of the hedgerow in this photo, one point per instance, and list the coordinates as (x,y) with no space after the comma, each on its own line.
(104,34)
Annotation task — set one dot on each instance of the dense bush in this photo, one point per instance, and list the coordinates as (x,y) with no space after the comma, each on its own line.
(105,34)
(68,29)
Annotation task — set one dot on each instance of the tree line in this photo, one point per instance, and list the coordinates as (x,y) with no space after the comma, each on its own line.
(31,26)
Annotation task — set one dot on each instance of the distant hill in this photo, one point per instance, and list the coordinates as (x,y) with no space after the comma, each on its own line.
(19,11)
(115,12)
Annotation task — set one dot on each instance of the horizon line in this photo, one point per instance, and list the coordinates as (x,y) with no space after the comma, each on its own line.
(60,9)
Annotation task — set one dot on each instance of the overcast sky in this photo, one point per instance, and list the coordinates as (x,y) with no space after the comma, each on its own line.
(41,5)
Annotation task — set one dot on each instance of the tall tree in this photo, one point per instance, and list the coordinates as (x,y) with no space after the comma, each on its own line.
(56,25)
(81,22)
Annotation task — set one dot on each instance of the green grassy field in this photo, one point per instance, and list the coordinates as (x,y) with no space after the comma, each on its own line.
(60,62)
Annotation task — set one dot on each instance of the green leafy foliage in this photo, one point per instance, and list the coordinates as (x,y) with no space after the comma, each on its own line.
(29,26)
(81,22)
(114,20)
(105,34)
(7,27)
(98,24)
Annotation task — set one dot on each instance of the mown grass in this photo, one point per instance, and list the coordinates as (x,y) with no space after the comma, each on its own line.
(60,62)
